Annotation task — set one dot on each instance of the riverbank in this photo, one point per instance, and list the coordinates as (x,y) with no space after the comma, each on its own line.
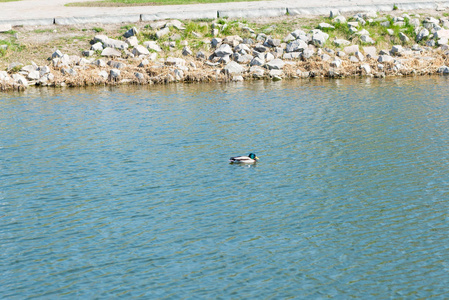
(400,43)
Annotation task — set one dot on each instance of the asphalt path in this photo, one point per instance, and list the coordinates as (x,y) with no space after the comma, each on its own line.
(41,9)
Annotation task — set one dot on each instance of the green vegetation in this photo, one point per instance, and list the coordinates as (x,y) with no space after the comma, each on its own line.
(8,0)
(97,29)
(116,3)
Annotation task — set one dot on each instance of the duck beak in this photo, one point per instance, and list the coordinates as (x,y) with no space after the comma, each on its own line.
(257,158)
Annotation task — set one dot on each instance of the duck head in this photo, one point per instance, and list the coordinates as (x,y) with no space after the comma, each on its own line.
(253,156)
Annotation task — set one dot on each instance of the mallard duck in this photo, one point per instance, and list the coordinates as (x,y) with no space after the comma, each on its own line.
(250,159)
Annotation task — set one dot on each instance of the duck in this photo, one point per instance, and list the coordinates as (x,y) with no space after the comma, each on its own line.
(250,159)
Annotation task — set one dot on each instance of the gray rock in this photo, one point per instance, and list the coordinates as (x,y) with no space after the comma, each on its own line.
(139,76)
(200,55)
(385,24)
(132,41)
(103,74)
(307,53)
(351,49)
(260,48)
(276,73)
(268,57)
(111,52)
(319,38)
(215,42)
(443,70)
(33,75)
(353,59)
(237,78)
(97,47)
(325,57)
(179,74)
(366,69)
(295,46)
(403,37)
(336,63)
(430,43)
(225,59)
(175,61)
(370,51)
(292,55)
(56,54)
(175,37)
(297,33)
(101,38)
(152,45)
(116,64)
(223,50)
(143,63)
(29,68)
(289,38)
(69,71)
(244,59)
(242,47)
(324,25)
(359,56)
(340,19)
(88,53)
(186,51)
(233,68)
(99,63)
(270,42)
(367,39)
(114,74)
(334,13)
(44,70)
(19,79)
(140,50)
(341,42)
(275,64)
(162,32)
(257,62)
(422,34)
(385,58)
(116,44)
(396,49)
(177,24)
(131,32)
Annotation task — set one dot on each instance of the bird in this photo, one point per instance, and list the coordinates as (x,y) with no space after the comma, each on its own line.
(250,159)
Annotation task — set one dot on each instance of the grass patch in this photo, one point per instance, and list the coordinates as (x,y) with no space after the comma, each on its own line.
(98,29)
(119,3)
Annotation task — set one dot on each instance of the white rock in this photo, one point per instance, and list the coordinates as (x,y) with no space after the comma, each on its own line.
(340,19)
(336,63)
(114,74)
(296,45)
(115,44)
(97,47)
(132,41)
(99,63)
(385,58)
(257,62)
(351,49)
(233,68)
(111,52)
(366,69)
(276,64)
(443,70)
(140,50)
(162,32)
(403,37)
(341,42)
(33,75)
(422,34)
(175,61)
(223,50)
(367,39)
(152,45)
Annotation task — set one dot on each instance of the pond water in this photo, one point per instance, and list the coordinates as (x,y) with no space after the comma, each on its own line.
(127,192)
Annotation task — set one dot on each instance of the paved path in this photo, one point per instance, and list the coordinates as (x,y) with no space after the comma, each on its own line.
(52,9)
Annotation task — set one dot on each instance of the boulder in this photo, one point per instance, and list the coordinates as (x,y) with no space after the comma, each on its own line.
(131,32)
(257,62)
(443,70)
(359,56)
(175,61)
(367,39)
(396,49)
(403,37)
(111,52)
(215,42)
(99,63)
(33,75)
(132,41)
(114,74)
(163,32)
(177,24)
(351,49)
(295,46)
(422,34)
(366,69)
(341,42)
(243,59)
(103,74)
(270,42)
(116,64)
(353,59)
(324,25)
(370,51)
(116,44)
(186,51)
(233,68)
(143,63)
(319,38)
(340,19)
(97,47)
(44,70)
(88,53)
(56,54)
(336,63)
(19,79)
(276,64)
(307,53)
(69,71)
(140,50)
(152,45)
(237,78)
(385,58)
(139,76)
(223,50)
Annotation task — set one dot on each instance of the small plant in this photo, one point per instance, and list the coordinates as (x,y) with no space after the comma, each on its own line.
(98,29)
(395,7)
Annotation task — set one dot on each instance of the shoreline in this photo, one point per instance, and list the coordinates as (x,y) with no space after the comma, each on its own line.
(159,52)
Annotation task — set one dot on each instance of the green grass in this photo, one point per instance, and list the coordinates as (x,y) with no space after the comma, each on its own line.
(146,2)
(8,0)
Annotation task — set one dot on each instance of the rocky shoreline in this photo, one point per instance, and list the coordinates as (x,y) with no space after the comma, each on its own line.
(364,44)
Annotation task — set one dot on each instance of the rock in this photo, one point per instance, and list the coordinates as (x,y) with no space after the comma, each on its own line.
(334,13)
(359,56)
(260,48)
(422,34)
(139,76)
(111,52)
(223,50)
(237,78)
(99,63)
(325,57)
(367,39)
(224,59)
(385,58)
(257,62)
(341,54)
(233,68)
(292,55)
(366,69)
(340,20)
(275,64)
(370,51)
(97,47)
(33,75)
(385,24)
(44,70)
(174,61)
(140,50)
(175,37)
(233,40)
(103,74)
(341,42)
(278,73)
(186,51)
(442,34)
(307,53)
(269,57)
(297,33)
(196,34)
(351,49)
(179,74)
(114,74)
(270,42)
(257,72)
(325,26)
(353,24)
(443,70)
(152,45)
(177,24)
(215,42)
(56,54)
(19,79)
(132,41)
(403,37)
(319,38)
(152,56)
(414,22)
(353,59)
(162,32)
(200,55)
(88,53)
(289,38)
(131,32)
(244,59)
(116,44)
(295,46)
(69,71)
(116,64)
(5,27)
(336,63)
(28,68)
(143,63)
(430,43)
(396,49)
(242,47)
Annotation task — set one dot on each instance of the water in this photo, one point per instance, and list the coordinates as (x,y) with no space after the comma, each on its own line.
(127,192)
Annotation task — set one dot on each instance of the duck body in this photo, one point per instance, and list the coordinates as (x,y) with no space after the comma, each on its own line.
(250,159)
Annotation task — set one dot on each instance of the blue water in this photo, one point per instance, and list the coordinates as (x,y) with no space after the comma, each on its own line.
(127,192)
